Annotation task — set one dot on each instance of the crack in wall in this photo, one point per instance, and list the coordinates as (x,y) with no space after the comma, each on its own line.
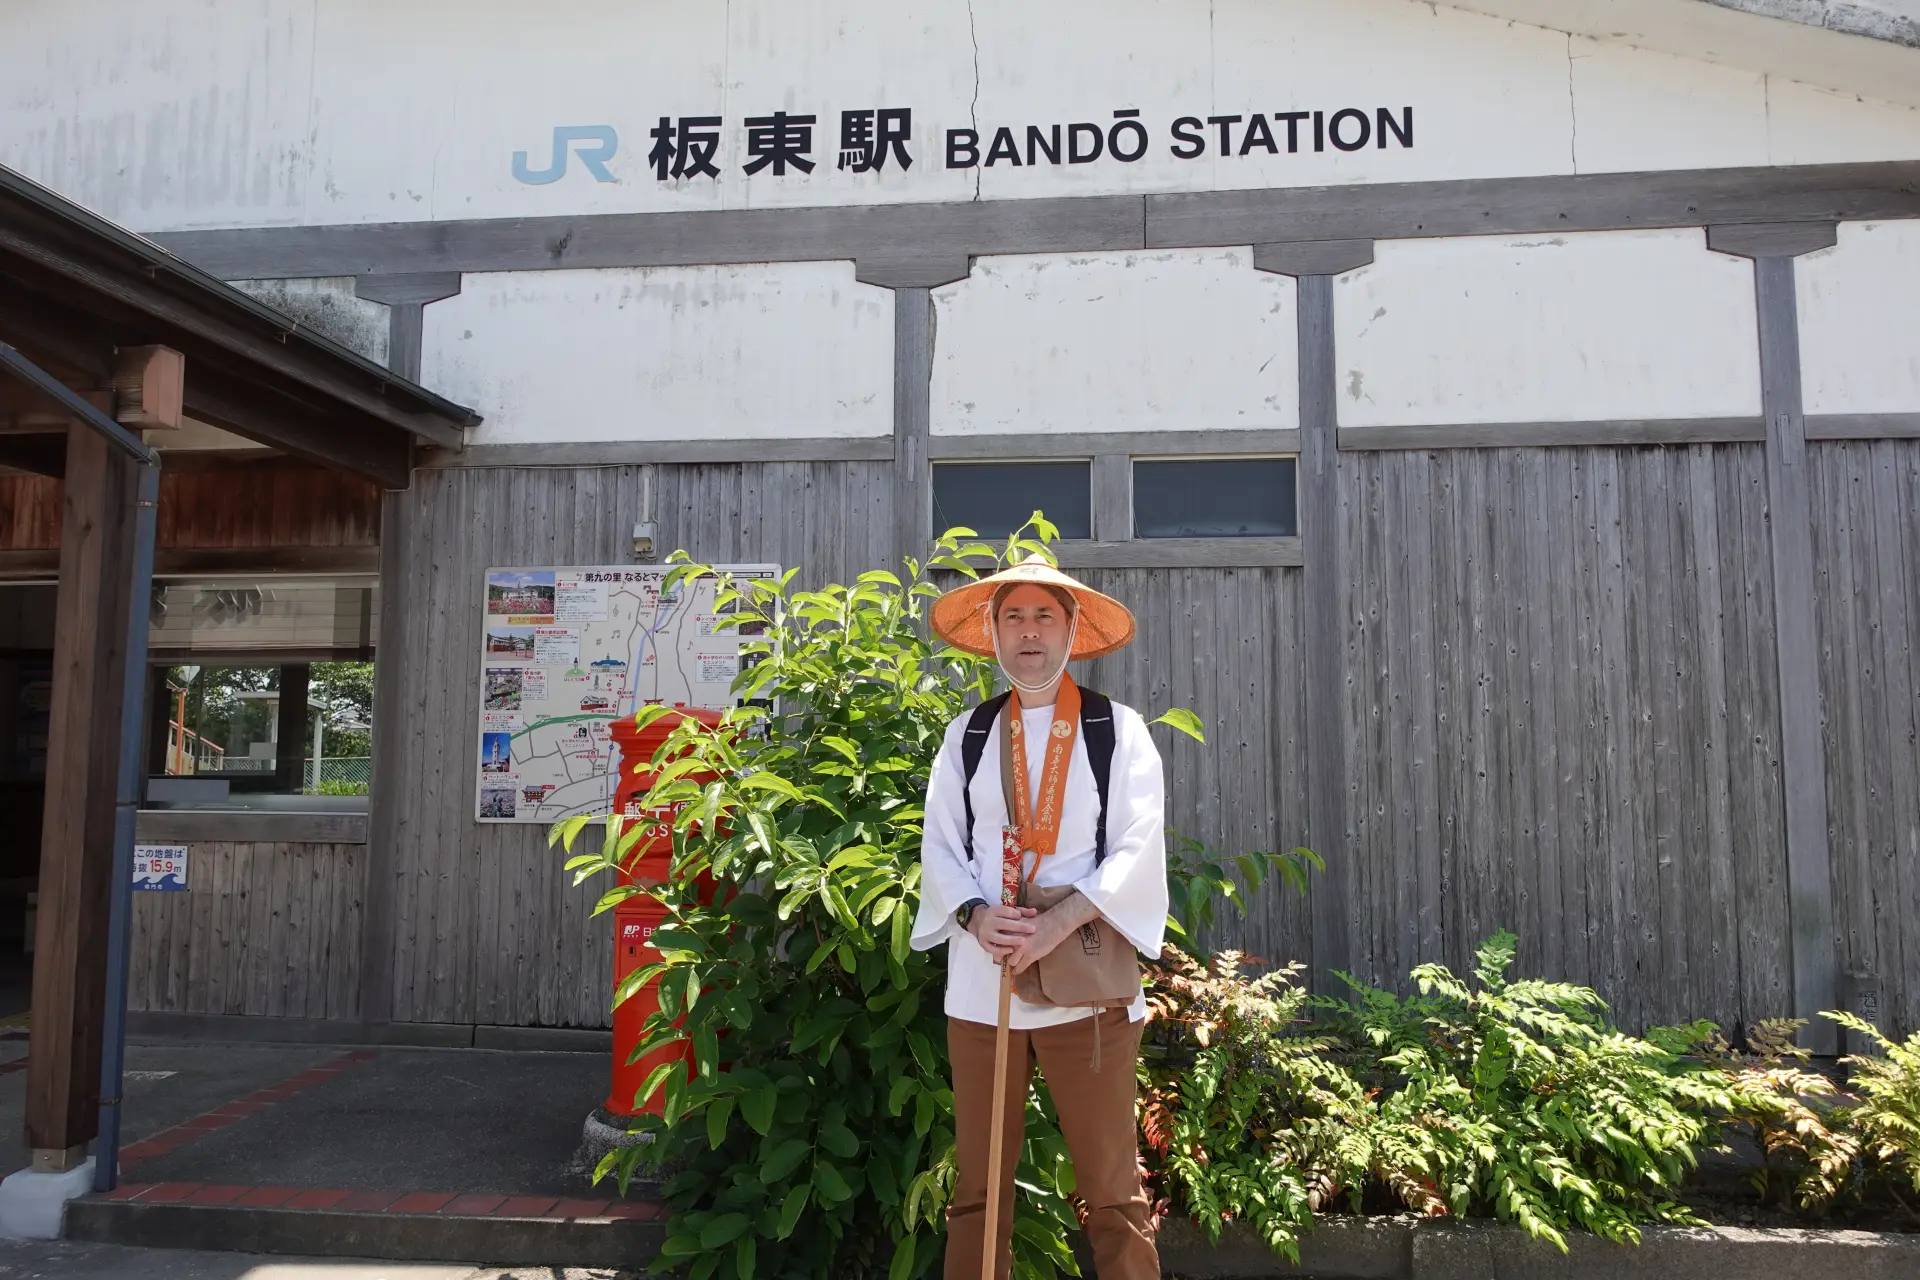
(973,109)
(1573,115)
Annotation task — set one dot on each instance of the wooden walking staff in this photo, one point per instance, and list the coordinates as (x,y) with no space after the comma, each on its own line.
(1010,860)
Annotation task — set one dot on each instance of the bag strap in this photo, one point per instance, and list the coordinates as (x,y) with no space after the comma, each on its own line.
(973,745)
(1096,730)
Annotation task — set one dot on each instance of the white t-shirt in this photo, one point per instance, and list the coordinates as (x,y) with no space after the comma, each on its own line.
(1129,888)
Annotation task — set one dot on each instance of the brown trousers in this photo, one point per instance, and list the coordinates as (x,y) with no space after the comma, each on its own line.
(1096,1118)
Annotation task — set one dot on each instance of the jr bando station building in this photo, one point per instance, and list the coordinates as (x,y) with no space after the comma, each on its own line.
(1504,416)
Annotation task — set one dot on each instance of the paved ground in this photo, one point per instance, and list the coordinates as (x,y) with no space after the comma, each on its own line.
(22,1260)
(443,1120)
(458,1121)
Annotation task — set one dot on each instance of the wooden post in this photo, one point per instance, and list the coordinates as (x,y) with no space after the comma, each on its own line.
(1313,265)
(83,751)
(912,372)
(1803,753)
(290,749)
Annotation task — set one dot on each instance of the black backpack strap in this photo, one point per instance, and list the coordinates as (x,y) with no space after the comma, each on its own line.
(973,744)
(1096,730)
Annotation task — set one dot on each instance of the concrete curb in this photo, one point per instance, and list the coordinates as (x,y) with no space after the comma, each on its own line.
(400,1237)
(1339,1249)
(1399,1249)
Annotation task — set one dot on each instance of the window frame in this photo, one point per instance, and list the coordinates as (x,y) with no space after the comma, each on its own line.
(1089,462)
(1132,524)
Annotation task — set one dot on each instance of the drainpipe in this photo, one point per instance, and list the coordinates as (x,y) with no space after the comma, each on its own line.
(126,802)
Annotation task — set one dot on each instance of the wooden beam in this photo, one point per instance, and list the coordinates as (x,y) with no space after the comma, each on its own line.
(912,271)
(76,856)
(1803,755)
(1312,257)
(74,348)
(912,415)
(195,562)
(349,445)
(266,351)
(43,453)
(1325,588)
(1772,239)
(1181,553)
(406,297)
(289,765)
(1112,497)
(389,806)
(148,383)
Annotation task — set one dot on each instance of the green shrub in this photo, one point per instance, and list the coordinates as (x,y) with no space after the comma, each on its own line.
(1516,1100)
(1199,880)
(815,1136)
(1795,1115)
(1886,1117)
(1241,1117)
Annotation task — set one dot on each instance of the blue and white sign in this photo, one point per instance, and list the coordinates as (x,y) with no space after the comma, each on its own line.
(160,866)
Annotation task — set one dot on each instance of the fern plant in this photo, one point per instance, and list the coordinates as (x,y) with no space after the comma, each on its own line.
(1887,1116)
(1517,1100)
(1243,1117)
(1795,1115)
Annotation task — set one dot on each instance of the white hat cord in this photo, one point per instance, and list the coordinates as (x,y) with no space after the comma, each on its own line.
(993,633)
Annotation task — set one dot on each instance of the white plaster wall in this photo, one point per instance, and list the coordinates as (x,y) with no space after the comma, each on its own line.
(1165,340)
(1860,320)
(1631,324)
(261,112)
(1807,125)
(666,353)
(1641,110)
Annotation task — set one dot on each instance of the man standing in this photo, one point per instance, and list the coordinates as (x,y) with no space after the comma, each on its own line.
(1045,850)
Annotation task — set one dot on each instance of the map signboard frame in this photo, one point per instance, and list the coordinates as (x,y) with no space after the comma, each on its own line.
(566,650)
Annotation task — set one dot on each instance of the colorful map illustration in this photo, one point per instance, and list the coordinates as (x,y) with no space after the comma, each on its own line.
(565,653)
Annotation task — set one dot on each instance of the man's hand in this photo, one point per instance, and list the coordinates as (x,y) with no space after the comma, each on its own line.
(999,930)
(1050,929)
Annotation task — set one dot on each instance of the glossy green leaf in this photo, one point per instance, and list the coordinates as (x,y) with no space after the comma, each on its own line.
(756,1109)
(793,1207)
(1183,720)
(723,1229)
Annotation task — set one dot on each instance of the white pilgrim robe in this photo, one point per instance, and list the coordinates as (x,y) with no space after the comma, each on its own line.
(1129,887)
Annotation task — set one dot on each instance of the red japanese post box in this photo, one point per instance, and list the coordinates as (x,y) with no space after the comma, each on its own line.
(636,918)
(634,922)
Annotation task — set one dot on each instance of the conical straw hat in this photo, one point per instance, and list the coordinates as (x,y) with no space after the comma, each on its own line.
(961,616)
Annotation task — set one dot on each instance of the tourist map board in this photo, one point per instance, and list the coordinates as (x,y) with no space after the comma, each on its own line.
(566,652)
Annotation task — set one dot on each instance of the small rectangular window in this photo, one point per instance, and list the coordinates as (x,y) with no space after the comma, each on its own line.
(1214,498)
(996,498)
(291,728)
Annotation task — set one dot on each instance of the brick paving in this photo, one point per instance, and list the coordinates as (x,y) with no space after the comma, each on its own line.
(256,1107)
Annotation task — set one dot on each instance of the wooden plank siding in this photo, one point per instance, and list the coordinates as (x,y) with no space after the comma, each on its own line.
(1866,547)
(1562,719)
(227,503)
(267,929)
(1225,644)
(486,928)
(1558,686)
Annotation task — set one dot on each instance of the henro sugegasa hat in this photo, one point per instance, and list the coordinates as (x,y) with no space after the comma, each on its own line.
(962,617)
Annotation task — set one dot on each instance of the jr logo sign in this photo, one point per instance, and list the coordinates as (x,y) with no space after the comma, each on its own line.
(594,144)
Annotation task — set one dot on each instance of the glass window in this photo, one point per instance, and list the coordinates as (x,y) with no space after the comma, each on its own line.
(1214,498)
(292,728)
(995,498)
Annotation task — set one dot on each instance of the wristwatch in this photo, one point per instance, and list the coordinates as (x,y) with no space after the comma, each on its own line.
(965,913)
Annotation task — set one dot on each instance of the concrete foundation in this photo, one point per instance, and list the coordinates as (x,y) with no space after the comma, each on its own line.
(31,1203)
